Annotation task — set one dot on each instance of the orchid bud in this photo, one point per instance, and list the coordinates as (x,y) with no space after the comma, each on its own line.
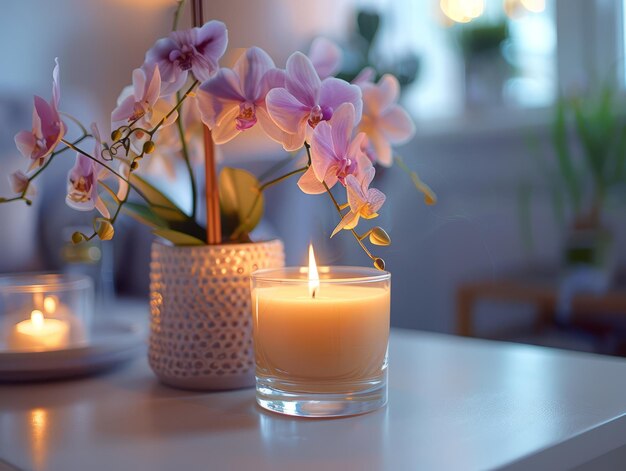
(148,147)
(378,236)
(104,229)
(116,135)
(379,263)
(134,165)
(78,237)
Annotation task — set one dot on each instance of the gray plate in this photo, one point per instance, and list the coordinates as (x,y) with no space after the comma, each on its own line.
(112,343)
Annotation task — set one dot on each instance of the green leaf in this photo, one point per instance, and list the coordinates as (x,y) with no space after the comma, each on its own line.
(160,204)
(177,238)
(368,24)
(144,215)
(566,166)
(241,201)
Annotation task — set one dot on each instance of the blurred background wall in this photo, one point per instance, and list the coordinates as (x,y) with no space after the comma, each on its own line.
(478,128)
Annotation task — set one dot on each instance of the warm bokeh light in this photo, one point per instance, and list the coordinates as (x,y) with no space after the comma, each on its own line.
(38,436)
(314,277)
(50,304)
(534,6)
(462,11)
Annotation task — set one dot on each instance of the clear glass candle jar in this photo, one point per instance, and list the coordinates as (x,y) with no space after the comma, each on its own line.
(41,312)
(321,345)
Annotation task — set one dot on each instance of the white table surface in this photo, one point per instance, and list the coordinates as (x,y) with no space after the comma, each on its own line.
(453,404)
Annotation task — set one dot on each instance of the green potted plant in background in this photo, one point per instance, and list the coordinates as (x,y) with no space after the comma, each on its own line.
(486,69)
(584,172)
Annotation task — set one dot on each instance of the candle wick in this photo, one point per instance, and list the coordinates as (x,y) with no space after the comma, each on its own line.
(314,291)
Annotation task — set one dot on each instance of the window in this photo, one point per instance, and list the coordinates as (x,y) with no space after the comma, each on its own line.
(474,54)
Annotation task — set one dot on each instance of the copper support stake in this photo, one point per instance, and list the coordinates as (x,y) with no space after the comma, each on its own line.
(213,222)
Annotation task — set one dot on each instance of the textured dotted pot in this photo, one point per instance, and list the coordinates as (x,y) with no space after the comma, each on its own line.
(201,322)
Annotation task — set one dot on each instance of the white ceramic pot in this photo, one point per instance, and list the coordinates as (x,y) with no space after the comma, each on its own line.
(201,324)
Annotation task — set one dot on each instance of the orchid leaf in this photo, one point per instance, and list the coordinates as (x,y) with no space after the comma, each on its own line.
(178,238)
(160,204)
(144,215)
(241,201)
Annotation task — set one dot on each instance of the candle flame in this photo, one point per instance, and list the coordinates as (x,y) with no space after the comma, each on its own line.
(36,317)
(314,277)
(49,304)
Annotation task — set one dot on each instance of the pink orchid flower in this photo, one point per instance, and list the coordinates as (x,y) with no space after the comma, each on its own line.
(325,56)
(168,151)
(48,128)
(384,121)
(234,99)
(306,101)
(196,49)
(20,184)
(334,155)
(367,75)
(364,201)
(82,184)
(142,103)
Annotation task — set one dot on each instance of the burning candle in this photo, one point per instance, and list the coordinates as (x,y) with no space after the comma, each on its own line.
(321,336)
(39,333)
(45,311)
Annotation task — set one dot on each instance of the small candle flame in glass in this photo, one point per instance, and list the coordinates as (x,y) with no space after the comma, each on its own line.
(36,317)
(49,304)
(314,277)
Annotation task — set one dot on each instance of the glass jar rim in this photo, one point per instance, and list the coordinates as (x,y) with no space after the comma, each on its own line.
(38,282)
(342,275)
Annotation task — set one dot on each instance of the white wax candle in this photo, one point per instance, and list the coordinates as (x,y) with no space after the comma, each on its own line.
(39,333)
(339,334)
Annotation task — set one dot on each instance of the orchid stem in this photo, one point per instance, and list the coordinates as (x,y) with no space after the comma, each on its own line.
(76,122)
(354,233)
(185,152)
(82,152)
(178,105)
(22,196)
(281,178)
(338,208)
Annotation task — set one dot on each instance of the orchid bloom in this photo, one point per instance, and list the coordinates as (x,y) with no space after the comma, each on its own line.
(367,75)
(364,201)
(334,155)
(306,101)
(325,56)
(196,49)
(20,184)
(47,130)
(162,162)
(82,184)
(234,99)
(384,121)
(141,104)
